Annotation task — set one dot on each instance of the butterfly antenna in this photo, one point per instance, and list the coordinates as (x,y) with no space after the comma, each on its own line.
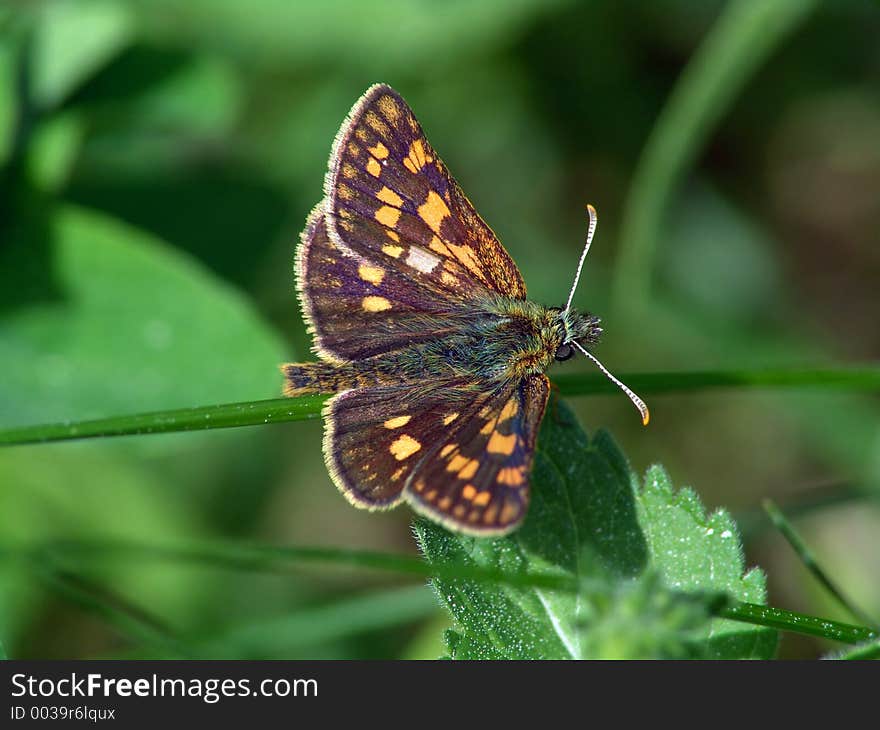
(590,231)
(637,402)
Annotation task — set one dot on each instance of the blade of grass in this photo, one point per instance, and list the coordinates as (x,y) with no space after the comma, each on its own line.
(866,378)
(741,40)
(813,497)
(797,623)
(227,415)
(283,559)
(324,623)
(809,560)
(280,410)
(130,620)
(274,559)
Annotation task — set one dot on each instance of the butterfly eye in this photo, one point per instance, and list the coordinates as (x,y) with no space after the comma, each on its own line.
(563,352)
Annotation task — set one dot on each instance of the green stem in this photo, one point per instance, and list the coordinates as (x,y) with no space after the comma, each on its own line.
(809,560)
(284,559)
(280,410)
(272,559)
(865,378)
(128,619)
(798,623)
(227,415)
(743,37)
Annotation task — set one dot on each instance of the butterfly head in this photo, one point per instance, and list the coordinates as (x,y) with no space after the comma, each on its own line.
(570,327)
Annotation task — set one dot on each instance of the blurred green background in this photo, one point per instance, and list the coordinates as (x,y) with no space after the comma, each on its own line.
(157,162)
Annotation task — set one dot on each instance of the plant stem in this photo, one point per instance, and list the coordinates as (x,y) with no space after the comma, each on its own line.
(798,623)
(867,379)
(743,37)
(280,410)
(809,560)
(283,559)
(227,415)
(128,619)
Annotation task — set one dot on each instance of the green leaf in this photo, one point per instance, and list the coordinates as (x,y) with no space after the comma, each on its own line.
(97,318)
(73,41)
(695,552)
(128,322)
(649,564)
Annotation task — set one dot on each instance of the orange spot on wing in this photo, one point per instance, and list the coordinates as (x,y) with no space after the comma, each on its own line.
(456,463)
(448,449)
(417,156)
(482,499)
(510,410)
(389,108)
(375,304)
(393,251)
(387,195)
(469,491)
(469,469)
(380,151)
(433,211)
(491,512)
(397,421)
(511,477)
(373,167)
(499,444)
(446,421)
(465,254)
(438,246)
(404,447)
(372,274)
(508,512)
(374,122)
(387,216)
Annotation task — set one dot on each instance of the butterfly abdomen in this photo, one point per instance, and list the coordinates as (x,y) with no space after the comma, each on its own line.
(308,378)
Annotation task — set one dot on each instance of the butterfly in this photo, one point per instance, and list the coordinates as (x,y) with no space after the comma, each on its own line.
(419,316)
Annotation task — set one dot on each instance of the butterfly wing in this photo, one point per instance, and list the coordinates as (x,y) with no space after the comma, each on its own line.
(477,481)
(457,453)
(356,308)
(401,224)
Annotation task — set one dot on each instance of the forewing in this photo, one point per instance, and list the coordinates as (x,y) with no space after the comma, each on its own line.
(375,438)
(357,305)
(389,197)
(477,479)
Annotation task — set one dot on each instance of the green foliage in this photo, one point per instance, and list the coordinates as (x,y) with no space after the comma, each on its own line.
(648,565)
(157,160)
(130,321)
(74,40)
(118,320)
